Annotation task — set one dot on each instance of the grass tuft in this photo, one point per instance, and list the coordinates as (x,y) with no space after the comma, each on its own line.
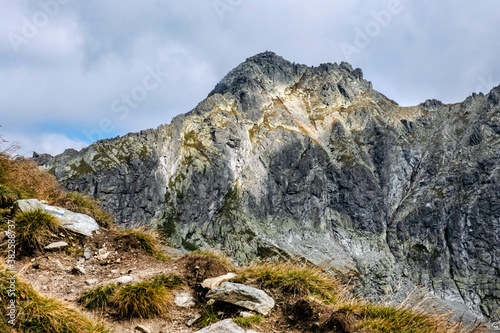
(291,278)
(209,315)
(168,281)
(142,300)
(98,298)
(216,255)
(7,196)
(33,229)
(248,322)
(24,178)
(406,318)
(149,241)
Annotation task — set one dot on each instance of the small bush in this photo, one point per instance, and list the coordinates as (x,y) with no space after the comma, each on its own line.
(33,229)
(290,278)
(142,300)
(248,322)
(98,298)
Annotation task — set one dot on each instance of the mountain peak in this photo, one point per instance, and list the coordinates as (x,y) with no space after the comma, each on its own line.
(267,70)
(259,70)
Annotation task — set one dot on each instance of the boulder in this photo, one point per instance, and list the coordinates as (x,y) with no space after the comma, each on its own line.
(216,281)
(76,222)
(239,294)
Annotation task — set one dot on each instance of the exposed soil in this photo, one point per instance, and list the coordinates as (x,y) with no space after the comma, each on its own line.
(115,255)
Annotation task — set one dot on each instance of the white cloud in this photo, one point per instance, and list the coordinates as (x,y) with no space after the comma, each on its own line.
(52,143)
(56,143)
(91,52)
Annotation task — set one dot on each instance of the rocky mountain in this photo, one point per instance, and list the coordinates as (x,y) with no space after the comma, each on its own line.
(290,160)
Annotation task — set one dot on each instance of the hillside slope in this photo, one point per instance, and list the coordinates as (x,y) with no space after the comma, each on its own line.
(285,159)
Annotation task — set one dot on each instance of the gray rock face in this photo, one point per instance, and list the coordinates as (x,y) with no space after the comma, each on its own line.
(247,297)
(289,160)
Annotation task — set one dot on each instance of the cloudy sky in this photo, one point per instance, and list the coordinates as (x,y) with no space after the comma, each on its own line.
(73,72)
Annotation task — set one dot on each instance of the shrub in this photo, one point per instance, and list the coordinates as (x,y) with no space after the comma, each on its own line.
(98,298)
(33,229)
(142,300)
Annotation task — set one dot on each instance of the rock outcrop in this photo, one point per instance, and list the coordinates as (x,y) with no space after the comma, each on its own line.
(290,160)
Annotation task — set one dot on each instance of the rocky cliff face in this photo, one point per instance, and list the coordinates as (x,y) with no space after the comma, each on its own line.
(285,159)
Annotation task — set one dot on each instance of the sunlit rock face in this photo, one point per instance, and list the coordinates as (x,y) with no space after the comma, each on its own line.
(290,160)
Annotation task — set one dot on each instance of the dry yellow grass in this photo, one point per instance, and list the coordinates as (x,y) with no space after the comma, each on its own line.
(24,177)
(412,316)
(291,278)
(149,240)
(21,178)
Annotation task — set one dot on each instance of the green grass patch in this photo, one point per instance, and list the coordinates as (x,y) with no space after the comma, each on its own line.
(248,322)
(411,318)
(209,315)
(169,281)
(147,299)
